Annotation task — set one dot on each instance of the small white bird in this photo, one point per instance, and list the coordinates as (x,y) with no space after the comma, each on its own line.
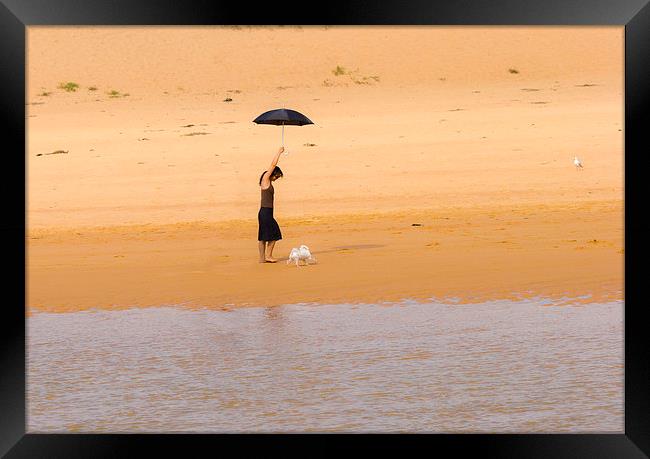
(577,163)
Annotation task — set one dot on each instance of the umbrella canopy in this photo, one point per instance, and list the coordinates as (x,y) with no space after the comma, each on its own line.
(283,116)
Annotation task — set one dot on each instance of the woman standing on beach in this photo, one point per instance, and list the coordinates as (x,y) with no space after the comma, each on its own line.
(269,230)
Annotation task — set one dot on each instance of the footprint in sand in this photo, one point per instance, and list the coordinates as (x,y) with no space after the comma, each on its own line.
(194,133)
(594,242)
(57,152)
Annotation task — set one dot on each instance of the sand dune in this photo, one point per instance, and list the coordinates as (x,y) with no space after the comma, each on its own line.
(413,122)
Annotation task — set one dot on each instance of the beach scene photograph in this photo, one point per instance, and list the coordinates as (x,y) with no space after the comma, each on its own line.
(354,229)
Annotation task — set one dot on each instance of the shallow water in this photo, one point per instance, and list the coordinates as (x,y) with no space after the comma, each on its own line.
(525,366)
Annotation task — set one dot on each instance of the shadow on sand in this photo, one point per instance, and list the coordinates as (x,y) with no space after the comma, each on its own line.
(341,247)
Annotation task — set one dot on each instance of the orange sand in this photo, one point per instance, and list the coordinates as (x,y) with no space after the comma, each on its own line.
(426,125)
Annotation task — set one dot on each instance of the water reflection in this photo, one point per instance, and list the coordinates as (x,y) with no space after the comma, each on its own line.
(494,367)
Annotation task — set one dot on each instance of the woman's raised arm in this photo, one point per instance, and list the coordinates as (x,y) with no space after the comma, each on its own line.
(275,160)
(266,180)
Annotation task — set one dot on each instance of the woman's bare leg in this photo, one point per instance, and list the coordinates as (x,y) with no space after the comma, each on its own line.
(262,247)
(269,251)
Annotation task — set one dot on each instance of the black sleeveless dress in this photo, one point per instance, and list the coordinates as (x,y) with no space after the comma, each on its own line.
(269,230)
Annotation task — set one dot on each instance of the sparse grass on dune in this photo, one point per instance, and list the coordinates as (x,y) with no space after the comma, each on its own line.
(353,75)
(113,94)
(366,79)
(70,86)
(339,70)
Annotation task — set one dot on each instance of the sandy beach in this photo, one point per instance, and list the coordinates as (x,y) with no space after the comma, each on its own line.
(440,164)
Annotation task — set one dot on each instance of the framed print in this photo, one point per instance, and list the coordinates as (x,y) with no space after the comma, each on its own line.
(420,220)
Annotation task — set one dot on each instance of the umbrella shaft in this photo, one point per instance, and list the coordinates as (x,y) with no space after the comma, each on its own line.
(283,135)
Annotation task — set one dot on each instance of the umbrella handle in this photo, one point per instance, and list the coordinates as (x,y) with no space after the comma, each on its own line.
(286,152)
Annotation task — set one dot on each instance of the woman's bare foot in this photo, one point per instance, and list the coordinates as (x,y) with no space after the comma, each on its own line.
(271,260)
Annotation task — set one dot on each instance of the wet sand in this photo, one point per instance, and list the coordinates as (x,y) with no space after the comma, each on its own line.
(152,198)
(466,254)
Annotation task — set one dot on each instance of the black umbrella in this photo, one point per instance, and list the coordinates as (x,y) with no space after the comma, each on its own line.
(282,116)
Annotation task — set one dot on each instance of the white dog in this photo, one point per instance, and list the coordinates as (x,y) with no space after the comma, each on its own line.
(301,254)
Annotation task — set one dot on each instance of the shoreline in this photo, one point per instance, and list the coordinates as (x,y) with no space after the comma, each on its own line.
(584,300)
(472,254)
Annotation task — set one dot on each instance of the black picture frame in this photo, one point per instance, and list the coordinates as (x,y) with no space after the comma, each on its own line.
(16,15)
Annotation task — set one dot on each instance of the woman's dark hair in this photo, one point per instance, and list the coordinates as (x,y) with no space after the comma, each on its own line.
(277,172)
